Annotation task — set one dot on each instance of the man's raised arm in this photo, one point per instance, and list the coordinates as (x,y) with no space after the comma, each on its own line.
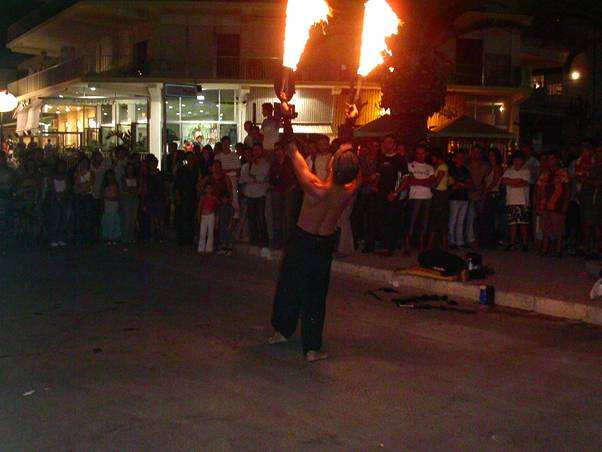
(310,183)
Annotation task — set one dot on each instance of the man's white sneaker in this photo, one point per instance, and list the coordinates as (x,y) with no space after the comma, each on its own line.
(54,244)
(313,356)
(277,338)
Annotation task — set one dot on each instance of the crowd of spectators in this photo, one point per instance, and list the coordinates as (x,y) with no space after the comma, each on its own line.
(410,198)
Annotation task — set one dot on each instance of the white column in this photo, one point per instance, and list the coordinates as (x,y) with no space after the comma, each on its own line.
(155,120)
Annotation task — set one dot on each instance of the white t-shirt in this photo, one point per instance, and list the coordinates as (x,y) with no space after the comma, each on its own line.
(518,196)
(420,171)
(230,162)
(271,133)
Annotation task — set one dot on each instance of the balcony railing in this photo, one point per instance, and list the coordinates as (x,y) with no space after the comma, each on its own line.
(53,75)
(488,75)
(222,68)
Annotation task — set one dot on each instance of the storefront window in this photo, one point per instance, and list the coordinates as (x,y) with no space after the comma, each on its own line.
(106,112)
(141,114)
(124,114)
(227,105)
(173,133)
(211,115)
(172,109)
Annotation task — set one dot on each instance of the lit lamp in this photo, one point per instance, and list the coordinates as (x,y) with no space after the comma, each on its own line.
(8,103)
(301,16)
(575,75)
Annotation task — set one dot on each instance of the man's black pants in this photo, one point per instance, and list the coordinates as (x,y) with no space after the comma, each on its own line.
(303,286)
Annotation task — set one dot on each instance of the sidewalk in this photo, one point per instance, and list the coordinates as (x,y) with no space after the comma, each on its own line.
(555,287)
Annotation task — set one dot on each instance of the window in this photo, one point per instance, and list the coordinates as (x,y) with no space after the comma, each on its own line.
(141,114)
(141,56)
(106,115)
(469,61)
(555,89)
(172,108)
(211,115)
(537,81)
(228,56)
(124,114)
(498,69)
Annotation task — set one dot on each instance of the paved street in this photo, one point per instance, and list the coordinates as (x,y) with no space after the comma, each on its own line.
(159,349)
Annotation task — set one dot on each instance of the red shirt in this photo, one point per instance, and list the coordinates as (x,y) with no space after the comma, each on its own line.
(208,204)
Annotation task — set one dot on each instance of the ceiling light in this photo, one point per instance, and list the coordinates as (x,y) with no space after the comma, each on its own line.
(92,88)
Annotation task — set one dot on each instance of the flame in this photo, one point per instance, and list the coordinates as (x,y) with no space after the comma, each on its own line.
(380,22)
(301,15)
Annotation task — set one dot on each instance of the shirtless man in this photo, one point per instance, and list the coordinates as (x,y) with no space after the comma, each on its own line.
(305,273)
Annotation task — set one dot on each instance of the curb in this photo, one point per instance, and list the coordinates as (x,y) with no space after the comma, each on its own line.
(541,305)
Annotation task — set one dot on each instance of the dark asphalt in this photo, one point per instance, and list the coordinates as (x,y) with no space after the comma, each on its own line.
(159,349)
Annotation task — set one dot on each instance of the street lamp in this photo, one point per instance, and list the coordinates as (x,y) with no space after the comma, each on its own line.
(8,103)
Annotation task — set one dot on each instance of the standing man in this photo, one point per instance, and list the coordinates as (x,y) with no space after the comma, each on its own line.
(305,272)
(248,126)
(254,176)
(318,163)
(231,165)
(422,177)
(391,169)
(284,190)
(478,169)
(270,129)
(460,182)
(517,179)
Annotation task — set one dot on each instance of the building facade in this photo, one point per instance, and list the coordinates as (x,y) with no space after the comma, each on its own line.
(158,71)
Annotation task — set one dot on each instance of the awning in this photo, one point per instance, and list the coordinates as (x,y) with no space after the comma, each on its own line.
(380,127)
(467,127)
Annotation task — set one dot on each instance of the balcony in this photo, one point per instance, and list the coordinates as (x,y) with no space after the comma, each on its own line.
(223,68)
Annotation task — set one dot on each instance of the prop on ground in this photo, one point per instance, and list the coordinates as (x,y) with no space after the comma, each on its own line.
(437,302)
(441,265)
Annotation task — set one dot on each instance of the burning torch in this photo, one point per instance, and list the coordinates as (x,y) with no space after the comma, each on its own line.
(380,23)
(301,16)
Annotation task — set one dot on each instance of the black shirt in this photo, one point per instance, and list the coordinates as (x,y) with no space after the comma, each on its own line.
(460,174)
(389,167)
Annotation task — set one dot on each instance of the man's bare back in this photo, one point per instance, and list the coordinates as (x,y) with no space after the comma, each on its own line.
(324,201)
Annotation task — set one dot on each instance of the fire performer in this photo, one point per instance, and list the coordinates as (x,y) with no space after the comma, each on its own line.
(305,272)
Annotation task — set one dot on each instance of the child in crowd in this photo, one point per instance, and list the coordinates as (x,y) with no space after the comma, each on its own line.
(206,218)
(226,224)
(111,222)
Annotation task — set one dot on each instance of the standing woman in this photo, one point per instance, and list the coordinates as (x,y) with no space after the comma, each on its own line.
(111,222)
(30,188)
(60,204)
(130,192)
(491,199)
(85,206)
